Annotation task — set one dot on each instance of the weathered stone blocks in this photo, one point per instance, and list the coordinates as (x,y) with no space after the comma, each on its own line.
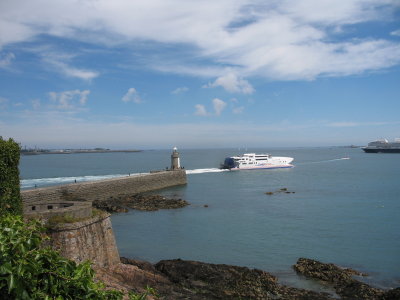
(91,239)
(102,190)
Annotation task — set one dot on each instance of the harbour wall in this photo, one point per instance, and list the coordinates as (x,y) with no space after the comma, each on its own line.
(92,239)
(104,189)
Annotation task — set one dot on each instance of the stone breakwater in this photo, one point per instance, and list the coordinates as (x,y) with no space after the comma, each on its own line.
(87,237)
(104,189)
(91,239)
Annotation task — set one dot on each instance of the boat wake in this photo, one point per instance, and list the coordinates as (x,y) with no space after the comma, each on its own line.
(323,161)
(40,182)
(208,170)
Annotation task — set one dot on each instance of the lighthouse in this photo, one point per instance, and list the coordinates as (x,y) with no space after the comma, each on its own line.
(175,162)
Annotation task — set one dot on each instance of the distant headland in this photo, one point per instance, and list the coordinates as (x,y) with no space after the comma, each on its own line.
(35,151)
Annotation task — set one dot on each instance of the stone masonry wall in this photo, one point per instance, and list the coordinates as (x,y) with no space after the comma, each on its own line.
(92,239)
(103,189)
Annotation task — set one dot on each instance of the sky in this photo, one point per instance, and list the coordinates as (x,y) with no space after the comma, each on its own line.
(153,74)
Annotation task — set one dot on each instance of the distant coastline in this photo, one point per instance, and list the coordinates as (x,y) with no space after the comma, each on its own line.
(71,151)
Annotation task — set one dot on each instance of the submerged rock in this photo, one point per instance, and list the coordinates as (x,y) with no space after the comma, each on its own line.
(342,280)
(109,207)
(219,281)
(179,279)
(139,202)
(281,190)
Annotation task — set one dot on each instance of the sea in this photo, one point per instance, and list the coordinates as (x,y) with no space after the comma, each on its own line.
(342,207)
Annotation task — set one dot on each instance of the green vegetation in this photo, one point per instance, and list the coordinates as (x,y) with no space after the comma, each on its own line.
(62,219)
(97,212)
(66,218)
(30,271)
(149,292)
(10,199)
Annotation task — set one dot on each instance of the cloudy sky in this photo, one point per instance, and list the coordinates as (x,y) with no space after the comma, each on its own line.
(201,73)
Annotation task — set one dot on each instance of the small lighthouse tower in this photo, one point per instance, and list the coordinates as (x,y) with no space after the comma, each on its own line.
(175,162)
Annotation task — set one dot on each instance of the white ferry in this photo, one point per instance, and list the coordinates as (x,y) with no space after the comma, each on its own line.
(250,161)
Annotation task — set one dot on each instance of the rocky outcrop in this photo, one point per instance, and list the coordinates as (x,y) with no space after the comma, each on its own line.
(179,279)
(282,190)
(218,281)
(342,280)
(139,202)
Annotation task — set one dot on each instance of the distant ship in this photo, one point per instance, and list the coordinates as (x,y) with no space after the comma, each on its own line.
(251,161)
(383,146)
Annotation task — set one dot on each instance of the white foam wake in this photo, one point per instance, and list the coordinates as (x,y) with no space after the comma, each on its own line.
(38,182)
(208,170)
(324,161)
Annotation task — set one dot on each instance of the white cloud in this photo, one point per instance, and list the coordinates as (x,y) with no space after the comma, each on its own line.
(6,59)
(282,40)
(219,106)
(58,129)
(13,30)
(359,124)
(232,83)
(238,110)
(180,90)
(69,100)
(336,12)
(396,32)
(200,110)
(77,73)
(36,103)
(60,63)
(3,103)
(132,96)
(343,124)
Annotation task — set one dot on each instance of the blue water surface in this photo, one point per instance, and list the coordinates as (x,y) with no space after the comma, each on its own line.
(344,211)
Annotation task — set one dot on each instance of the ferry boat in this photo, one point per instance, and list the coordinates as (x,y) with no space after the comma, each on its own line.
(251,161)
(383,146)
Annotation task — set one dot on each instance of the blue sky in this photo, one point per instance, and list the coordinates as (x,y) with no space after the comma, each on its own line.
(228,73)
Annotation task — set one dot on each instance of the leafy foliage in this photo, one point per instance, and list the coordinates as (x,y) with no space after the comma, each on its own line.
(149,292)
(29,271)
(10,199)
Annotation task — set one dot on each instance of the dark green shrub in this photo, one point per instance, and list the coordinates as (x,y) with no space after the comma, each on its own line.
(10,199)
(30,271)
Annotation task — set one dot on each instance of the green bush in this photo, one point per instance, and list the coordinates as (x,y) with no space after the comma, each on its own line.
(10,199)
(30,271)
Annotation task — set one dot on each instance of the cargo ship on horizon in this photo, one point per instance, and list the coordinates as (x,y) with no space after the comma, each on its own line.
(383,146)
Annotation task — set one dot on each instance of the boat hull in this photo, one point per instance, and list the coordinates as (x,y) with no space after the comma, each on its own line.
(262,167)
(377,150)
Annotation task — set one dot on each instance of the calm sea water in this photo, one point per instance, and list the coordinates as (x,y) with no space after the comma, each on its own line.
(344,211)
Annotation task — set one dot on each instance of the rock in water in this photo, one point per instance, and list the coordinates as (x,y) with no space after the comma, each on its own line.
(340,278)
(139,202)
(218,281)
